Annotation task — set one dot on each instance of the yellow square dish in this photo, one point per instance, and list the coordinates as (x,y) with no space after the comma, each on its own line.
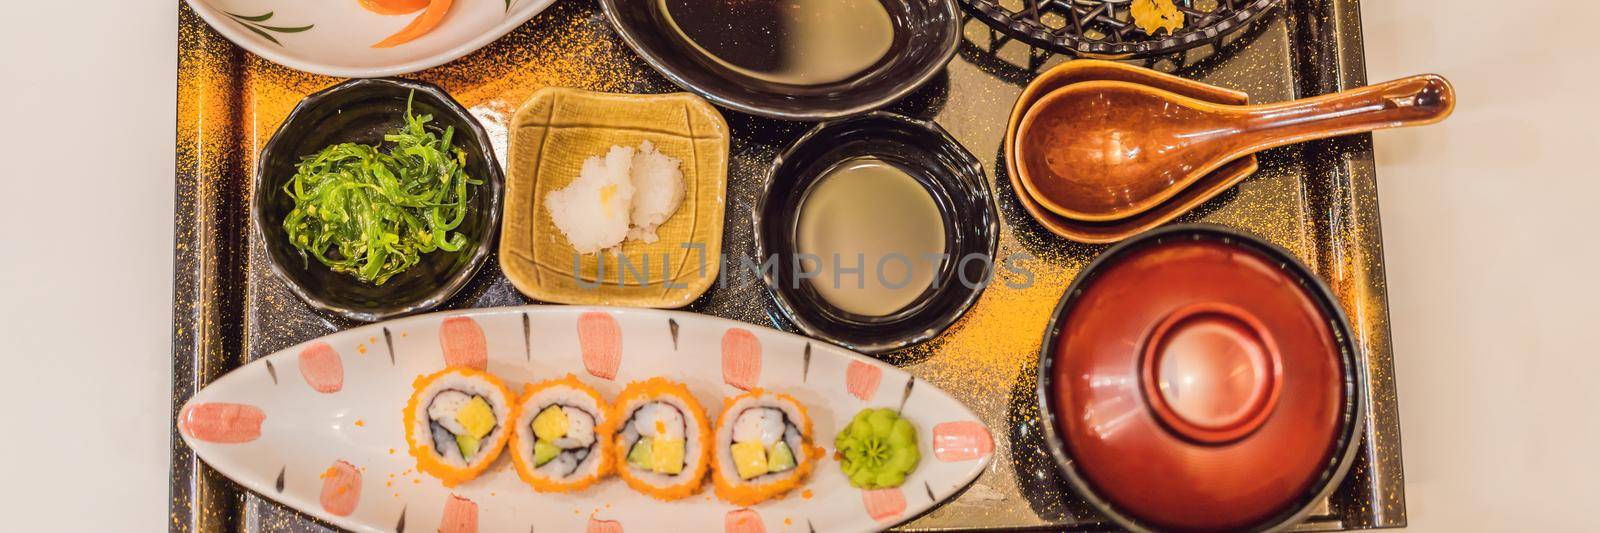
(550,137)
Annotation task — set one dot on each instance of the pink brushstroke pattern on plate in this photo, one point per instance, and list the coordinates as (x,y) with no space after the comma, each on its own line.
(861,379)
(600,339)
(341,489)
(741,358)
(463,343)
(460,516)
(744,521)
(603,526)
(961,441)
(884,505)
(222,423)
(321,367)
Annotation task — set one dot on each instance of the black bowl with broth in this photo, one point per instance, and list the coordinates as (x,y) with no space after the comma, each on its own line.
(946,171)
(762,57)
(362,111)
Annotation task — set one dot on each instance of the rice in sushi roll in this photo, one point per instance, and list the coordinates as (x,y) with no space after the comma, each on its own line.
(561,436)
(455,423)
(663,444)
(763,447)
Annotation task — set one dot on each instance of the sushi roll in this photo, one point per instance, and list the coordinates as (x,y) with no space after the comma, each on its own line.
(561,436)
(763,447)
(455,423)
(663,445)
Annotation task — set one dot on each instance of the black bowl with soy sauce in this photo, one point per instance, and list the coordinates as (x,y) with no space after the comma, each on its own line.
(362,111)
(792,60)
(947,172)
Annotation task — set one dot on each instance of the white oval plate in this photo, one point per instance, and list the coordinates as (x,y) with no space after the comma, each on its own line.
(335,37)
(318,426)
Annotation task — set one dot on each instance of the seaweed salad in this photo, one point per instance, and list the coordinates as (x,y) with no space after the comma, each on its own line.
(372,211)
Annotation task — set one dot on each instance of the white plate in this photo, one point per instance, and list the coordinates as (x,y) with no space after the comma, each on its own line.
(278,424)
(339,39)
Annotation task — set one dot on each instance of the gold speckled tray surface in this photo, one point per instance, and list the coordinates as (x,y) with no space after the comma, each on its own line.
(1318,200)
(548,140)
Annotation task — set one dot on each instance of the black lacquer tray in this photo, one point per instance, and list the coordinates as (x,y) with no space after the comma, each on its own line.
(1318,200)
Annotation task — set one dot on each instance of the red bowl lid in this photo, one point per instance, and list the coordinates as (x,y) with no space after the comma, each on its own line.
(1200,380)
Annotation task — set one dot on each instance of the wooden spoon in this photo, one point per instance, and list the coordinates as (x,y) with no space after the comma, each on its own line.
(1107,150)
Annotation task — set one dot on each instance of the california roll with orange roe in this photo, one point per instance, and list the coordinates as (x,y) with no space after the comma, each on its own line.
(663,445)
(455,423)
(763,447)
(561,435)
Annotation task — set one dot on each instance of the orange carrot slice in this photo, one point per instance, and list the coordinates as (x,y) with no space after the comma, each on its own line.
(419,26)
(394,7)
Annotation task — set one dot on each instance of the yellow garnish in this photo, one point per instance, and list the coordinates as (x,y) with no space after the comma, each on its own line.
(476,417)
(606,193)
(551,424)
(666,455)
(1154,15)
(750,458)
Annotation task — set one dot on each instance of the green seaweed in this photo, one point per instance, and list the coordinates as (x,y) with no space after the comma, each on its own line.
(372,213)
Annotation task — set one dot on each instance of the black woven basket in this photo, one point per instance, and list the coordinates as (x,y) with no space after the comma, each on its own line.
(1104,29)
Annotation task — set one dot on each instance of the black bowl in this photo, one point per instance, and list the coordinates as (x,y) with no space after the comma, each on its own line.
(362,111)
(927,33)
(934,159)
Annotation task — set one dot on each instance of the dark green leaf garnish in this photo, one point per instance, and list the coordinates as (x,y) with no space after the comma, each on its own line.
(372,211)
(254,24)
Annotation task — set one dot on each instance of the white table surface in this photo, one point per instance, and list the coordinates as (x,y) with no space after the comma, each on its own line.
(1488,223)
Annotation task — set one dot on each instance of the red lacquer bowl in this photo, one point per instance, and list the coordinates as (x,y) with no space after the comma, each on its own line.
(1199,379)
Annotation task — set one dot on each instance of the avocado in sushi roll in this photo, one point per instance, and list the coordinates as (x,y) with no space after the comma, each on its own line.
(455,423)
(663,443)
(562,436)
(763,447)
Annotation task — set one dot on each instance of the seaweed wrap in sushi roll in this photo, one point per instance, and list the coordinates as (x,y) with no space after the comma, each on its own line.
(663,443)
(763,447)
(561,435)
(455,423)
